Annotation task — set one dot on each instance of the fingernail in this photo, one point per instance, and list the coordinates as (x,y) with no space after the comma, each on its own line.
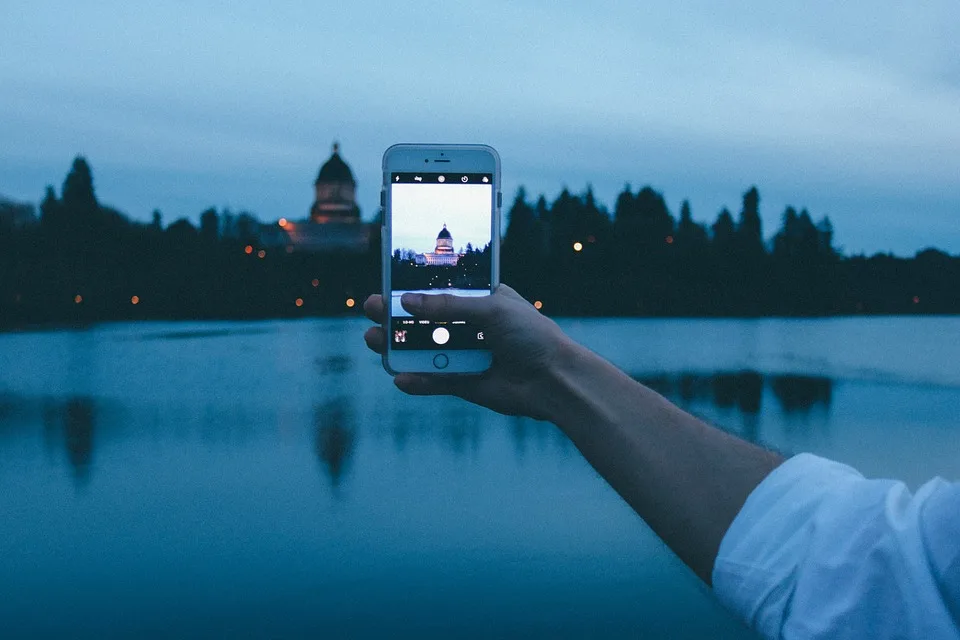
(412,301)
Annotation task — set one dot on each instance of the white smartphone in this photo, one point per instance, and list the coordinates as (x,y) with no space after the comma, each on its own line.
(441,234)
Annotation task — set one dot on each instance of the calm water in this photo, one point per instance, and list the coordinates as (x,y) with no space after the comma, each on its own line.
(266,479)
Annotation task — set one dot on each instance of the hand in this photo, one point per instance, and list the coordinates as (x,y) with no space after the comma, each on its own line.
(527,348)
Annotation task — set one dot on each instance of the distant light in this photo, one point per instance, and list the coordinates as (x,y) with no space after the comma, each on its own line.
(591,239)
(669,239)
(538,305)
(261,254)
(77,299)
(298,302)
(289,249)
(315,283)
(135,300)
(282,222)
(578,246)
(350,302)
(916,299)
(248,249)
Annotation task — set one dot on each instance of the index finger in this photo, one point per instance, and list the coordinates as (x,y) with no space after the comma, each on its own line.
(443,306)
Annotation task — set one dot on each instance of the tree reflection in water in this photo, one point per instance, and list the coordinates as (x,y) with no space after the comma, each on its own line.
(336,437)
(74,420)
(743,391)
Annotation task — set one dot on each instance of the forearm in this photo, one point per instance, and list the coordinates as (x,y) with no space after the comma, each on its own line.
(686,479)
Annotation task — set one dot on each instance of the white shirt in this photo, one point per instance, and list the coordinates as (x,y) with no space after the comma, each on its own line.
(818,551)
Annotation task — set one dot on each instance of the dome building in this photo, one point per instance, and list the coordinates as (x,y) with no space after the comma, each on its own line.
(443,254)
(335,192)
(334,224)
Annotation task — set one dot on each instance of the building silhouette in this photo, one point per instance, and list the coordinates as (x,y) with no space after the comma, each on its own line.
(335,192)
(334,224)
(443,254)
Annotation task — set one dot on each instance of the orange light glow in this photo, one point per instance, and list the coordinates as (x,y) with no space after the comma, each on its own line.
(289,249)
(135,300)
(315,282)
(248,249)
(669,239)
(261,254)
(578,246)
(350,302)
(916,299)
(282,222)
(298,302)
(77,299)
(538,305)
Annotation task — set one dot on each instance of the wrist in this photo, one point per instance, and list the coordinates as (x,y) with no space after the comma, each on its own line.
(575,387)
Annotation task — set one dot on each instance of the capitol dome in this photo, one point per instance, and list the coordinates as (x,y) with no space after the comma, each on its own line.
(444,242)
(335,169)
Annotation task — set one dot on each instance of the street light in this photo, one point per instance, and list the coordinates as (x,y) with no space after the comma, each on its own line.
(578,246)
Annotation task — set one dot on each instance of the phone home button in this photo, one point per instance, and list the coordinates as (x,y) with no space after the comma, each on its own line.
(440,361)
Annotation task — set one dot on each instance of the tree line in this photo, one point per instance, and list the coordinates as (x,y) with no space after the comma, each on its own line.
(80,261)
(579,259)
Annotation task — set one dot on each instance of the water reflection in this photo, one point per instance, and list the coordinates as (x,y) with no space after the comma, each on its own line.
(799,394)
(335,437)
(74,420)
(743,390)
(335,364)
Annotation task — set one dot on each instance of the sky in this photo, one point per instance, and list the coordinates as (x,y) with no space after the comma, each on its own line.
(850,111)
(420,211)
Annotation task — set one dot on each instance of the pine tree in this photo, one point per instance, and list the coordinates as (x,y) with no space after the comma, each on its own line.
(750,227)
(79,199)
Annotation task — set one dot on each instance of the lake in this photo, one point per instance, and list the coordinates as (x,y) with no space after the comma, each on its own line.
(267,479)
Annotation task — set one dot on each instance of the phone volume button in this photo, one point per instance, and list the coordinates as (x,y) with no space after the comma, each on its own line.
(499,199)
(383,198)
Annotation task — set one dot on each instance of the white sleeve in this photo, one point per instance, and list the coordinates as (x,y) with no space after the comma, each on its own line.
(818,551)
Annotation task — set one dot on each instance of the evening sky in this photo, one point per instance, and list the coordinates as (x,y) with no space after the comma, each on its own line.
(849,109)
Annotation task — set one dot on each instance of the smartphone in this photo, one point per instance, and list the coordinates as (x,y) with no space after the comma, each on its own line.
(441,234)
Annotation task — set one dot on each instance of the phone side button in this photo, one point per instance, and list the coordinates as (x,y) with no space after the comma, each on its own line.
(440,361)
(499,199)
(383,198)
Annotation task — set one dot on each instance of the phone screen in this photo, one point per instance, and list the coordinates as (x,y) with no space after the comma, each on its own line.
(440,243)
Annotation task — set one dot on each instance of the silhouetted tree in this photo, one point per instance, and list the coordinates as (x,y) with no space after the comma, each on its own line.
(749,232)
(50,209)
(690,234)
(209,226)
(79,198)
(723,230)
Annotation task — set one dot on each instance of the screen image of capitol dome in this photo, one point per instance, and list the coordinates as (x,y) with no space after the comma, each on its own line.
(443,254)
(333,224)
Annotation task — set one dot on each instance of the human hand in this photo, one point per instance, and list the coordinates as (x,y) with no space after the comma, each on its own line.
(527,349)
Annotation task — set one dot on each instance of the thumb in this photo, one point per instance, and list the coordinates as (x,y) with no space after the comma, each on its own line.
(443,306)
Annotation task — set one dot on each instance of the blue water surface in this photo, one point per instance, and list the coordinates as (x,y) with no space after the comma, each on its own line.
(267,479)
